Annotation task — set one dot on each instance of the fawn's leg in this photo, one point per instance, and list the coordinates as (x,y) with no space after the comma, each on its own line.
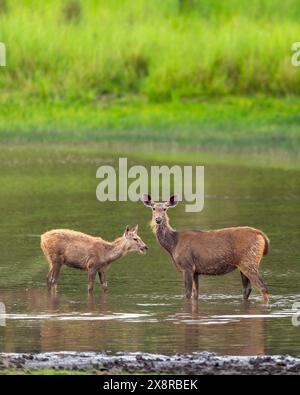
(55,274)
(91,279)
(49,276)
(195,290)
(54,268)
(102,278)
(246,286)
(188,283)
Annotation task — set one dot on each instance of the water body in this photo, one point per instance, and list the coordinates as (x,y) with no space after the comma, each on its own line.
(144,309)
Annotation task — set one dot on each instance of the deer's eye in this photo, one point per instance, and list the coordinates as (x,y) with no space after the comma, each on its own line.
(153,209)
(135,239)
(165,209)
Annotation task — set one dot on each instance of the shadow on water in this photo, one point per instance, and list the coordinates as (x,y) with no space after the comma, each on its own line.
(144,309)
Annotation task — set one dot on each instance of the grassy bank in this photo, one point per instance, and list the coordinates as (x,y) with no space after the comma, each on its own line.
(247,125)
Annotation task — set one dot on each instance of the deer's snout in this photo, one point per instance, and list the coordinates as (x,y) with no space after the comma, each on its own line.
(158,220)
(144,249)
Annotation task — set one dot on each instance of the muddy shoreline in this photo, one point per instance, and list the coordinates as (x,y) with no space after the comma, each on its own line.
(196,363)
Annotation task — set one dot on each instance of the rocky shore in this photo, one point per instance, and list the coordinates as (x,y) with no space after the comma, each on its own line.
(105,363)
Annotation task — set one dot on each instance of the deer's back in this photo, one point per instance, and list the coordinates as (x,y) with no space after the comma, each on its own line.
(215,251)
(72,247)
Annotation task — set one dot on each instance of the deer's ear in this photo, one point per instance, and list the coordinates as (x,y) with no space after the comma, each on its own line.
(127,229)
(172,202)
(146,199)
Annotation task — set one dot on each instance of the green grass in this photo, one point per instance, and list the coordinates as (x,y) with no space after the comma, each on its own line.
(83,50)
(193,74)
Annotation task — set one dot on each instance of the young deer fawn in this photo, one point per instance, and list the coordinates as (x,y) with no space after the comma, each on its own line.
(81,251)
(211,252)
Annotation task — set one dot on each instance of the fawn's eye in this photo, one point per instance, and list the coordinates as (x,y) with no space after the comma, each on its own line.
(165,209)
(135,239)
(153,209)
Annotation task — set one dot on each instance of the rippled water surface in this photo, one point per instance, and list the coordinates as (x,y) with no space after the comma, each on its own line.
(144,309)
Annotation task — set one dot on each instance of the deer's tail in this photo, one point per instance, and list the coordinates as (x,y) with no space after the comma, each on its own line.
(267,243)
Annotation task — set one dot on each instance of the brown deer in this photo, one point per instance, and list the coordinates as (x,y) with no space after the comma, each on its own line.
(81,251)
(211,252)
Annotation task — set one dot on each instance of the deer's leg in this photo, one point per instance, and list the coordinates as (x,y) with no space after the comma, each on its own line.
(195,290)
(188,283)
(251,272)
(49,278)
(102,278)
(246,286)
(91,279)
(54,268)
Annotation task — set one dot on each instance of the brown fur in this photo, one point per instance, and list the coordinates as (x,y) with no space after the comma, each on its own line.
(211,252)
(81,251)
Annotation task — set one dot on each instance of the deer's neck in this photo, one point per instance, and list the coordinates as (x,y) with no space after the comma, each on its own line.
(117,249)
(166,236)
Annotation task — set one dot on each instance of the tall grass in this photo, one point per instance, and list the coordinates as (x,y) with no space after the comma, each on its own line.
(172,49)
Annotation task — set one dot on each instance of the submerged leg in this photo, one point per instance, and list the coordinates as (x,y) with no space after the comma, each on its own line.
(188,283)
(195,290)
(246,286)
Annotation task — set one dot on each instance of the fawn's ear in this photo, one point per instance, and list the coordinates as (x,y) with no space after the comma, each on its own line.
(135,229)
(127,229)
(146,199)
(172,202)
